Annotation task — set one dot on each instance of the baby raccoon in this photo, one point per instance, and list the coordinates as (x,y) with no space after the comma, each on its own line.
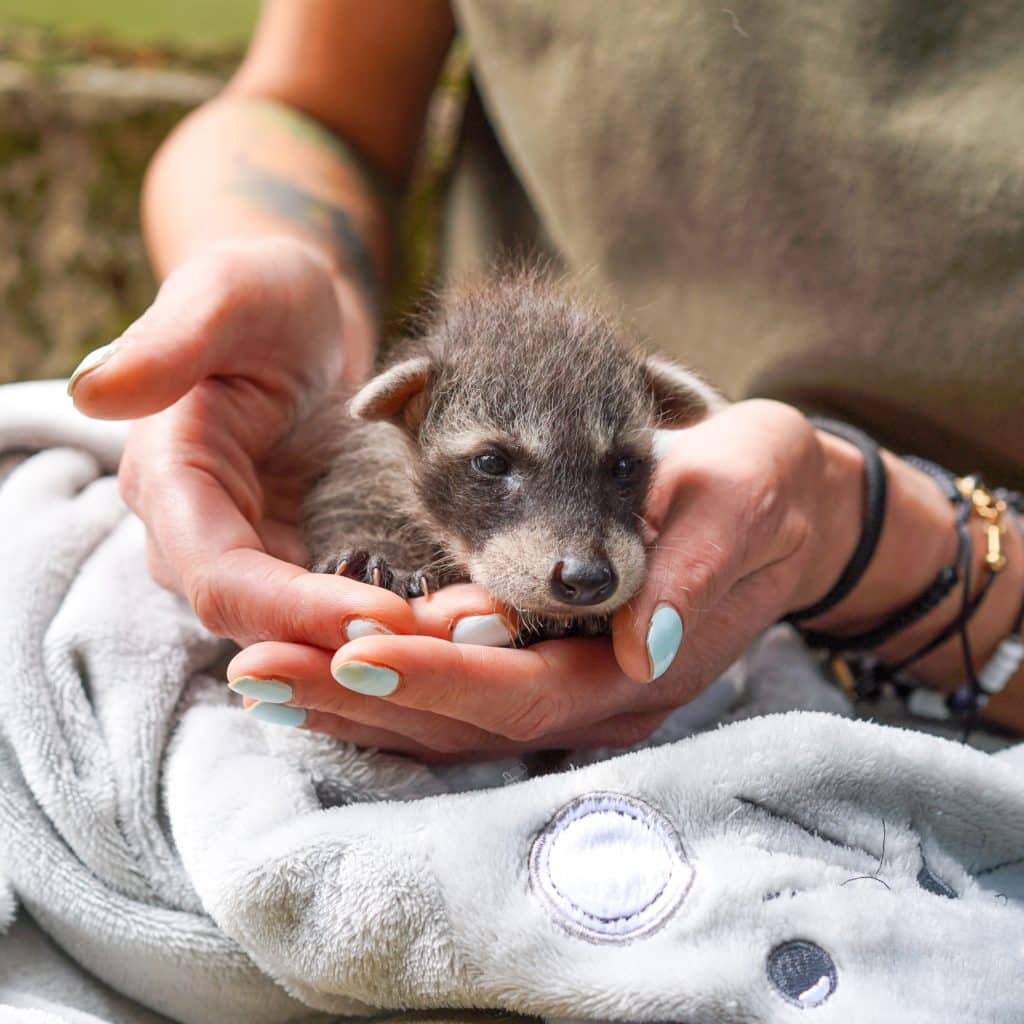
(510,445)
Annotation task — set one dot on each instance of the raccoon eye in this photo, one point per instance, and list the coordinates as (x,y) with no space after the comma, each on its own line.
(491,464)
(626,468)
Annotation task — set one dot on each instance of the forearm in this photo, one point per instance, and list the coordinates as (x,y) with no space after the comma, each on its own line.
(242,168)
(918,539)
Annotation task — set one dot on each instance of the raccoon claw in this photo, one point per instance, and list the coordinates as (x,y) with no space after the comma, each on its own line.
(363,566)
(366,567)
(380,574)
(346,563)
(420,584)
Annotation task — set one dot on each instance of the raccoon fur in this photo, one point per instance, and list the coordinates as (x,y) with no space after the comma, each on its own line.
(511,444)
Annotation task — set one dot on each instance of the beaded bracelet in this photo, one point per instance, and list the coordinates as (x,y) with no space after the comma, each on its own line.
(1006,661)
(865,676)
(972,696)
(941,586)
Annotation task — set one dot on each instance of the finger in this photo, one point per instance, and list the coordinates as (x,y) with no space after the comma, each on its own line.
(282,541)
(691,565)
(196,324)
(239,591)
(159,568)
(359,735)
(618,732)
(159,358)
(722,504)
(249,596)
(522,695)
(696,557)
(466,614)
(299,676)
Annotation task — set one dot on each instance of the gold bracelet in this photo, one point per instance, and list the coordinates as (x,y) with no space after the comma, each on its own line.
(992,510)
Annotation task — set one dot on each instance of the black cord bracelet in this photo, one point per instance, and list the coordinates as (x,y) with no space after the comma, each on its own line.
(875,495)
(865,676)
(943,584)
(963,619)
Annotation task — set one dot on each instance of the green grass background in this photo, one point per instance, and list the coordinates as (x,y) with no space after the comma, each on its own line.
(193,24)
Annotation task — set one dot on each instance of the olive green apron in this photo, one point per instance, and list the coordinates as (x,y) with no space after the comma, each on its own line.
(817,202)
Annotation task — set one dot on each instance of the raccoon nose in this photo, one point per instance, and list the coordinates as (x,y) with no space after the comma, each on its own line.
(575,581)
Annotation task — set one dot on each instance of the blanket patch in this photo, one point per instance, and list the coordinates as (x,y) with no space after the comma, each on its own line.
(802,973)
(610,867)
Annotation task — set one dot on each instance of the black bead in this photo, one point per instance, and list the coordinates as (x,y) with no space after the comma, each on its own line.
(964,701)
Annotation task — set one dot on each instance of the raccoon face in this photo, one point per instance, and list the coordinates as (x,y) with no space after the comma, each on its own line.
(531,428)
(552,528)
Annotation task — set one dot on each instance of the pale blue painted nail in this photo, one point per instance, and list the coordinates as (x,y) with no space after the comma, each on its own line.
(358,628)
(272,691)
(372,680)
(483,630)
(664,635)
(278,714)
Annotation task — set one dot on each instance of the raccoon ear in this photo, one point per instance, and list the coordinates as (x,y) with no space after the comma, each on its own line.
(398,394)
(681,398)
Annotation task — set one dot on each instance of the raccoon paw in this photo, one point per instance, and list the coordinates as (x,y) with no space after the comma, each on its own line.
(374,568)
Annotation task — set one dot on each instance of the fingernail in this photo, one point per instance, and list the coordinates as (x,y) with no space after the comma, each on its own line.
(482,630)
(664,635)
(278,714)
(356,628)
(272,691)
(92,361)
(373,680)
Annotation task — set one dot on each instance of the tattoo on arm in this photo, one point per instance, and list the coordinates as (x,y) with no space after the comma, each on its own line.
(324,220)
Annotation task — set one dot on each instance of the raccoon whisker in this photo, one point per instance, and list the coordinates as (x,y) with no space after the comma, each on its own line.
(636,618)
(674,549)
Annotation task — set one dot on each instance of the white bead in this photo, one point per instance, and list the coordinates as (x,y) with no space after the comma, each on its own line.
(928,704)
(1002,666)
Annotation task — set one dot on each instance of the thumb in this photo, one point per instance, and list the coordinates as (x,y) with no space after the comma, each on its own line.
(694,561)
(158,359)
(687,578)
(266,311)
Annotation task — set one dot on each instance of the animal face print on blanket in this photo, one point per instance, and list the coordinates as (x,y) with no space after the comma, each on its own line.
(611,868)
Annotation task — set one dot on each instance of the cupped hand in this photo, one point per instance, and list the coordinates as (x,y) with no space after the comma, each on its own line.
(223,374)
(755,514)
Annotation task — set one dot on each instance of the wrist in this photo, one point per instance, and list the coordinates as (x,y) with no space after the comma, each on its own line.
(917,540)
(838,520)
(995,618)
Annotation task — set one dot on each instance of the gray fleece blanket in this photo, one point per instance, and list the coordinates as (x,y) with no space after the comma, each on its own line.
(173,858)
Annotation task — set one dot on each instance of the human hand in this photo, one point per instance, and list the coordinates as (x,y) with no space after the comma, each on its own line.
(756,514)
(225,369)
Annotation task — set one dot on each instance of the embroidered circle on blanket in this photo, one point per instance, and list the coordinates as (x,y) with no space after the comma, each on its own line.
(802,973)
(610,866)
